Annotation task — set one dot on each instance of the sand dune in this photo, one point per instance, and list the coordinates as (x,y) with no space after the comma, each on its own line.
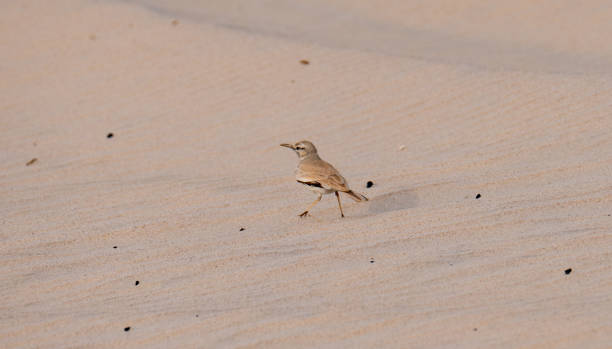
(433,103)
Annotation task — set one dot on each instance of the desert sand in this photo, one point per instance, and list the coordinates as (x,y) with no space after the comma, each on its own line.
(181,230)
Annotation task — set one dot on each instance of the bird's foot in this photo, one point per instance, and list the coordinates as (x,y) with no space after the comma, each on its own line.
(303,214)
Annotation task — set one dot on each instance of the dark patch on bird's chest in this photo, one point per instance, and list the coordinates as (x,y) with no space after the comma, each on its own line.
(312,184)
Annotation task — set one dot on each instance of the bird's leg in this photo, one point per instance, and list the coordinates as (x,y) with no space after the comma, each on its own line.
(303,214)
(339,205)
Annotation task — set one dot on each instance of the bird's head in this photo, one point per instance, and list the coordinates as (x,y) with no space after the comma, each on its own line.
(302,148)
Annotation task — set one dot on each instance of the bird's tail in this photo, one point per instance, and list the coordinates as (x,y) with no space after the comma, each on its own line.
(356,196)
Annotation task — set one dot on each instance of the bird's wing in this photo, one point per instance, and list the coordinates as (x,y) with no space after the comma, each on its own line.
(321,172)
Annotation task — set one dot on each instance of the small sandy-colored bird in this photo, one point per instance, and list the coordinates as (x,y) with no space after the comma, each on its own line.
(319,176)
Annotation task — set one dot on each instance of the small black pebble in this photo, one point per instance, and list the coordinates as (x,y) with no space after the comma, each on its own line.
(477,196)
(241,229)
(127,329)
(371,260)
(369,184)
(110,135)
(475,329)
(197,315)
(137,283)
(568,271)
(114,246)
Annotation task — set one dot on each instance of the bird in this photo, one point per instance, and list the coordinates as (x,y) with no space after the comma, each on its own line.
(320,176)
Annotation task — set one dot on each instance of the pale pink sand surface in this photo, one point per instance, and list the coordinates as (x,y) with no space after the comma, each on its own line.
(435,102)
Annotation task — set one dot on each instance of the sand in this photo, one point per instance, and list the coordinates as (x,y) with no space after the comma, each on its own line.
(433,103)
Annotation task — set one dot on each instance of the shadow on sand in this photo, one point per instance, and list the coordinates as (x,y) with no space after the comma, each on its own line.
(393,201)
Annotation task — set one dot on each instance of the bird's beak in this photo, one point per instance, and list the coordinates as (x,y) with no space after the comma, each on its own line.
(288,146)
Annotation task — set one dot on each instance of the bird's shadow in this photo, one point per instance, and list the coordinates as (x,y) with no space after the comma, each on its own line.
(393,201)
